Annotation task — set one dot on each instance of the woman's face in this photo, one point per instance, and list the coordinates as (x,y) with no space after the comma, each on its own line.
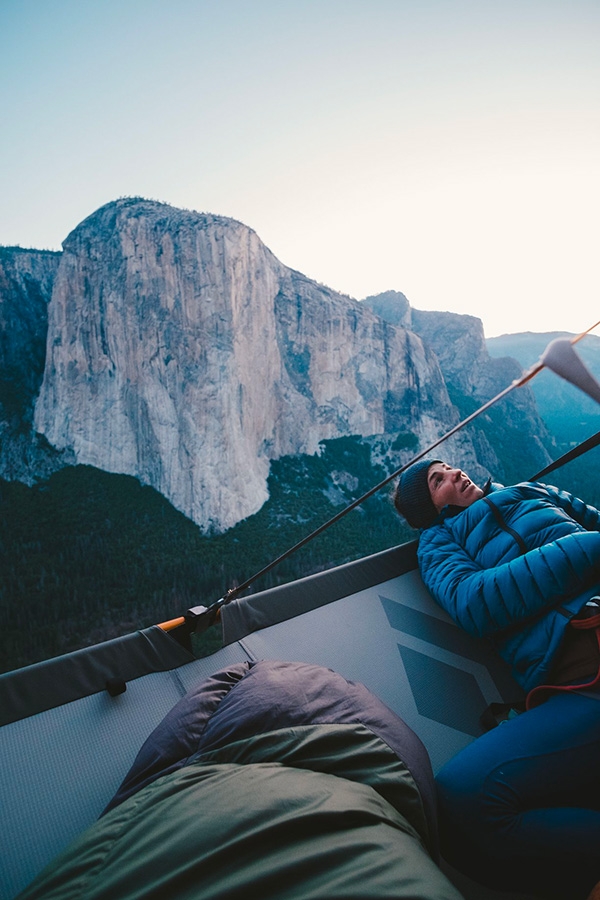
(449,486)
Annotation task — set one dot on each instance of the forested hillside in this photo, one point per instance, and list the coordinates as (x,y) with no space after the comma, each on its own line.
(88,556)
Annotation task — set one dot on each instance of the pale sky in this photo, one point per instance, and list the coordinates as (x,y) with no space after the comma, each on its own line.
(446,149)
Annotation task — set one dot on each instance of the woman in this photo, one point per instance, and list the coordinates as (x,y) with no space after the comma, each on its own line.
(520,566)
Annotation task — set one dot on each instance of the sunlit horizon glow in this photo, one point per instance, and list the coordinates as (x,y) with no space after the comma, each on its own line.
(448,150)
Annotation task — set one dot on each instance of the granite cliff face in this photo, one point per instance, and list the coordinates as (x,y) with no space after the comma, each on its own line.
(173,346)
(181,351)
(26,280)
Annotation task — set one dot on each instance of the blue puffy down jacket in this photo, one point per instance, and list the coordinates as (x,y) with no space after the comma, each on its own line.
(514,567)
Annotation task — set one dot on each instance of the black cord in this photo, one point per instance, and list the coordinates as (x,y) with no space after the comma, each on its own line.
(589,444)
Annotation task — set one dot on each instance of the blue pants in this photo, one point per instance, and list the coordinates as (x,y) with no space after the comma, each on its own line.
(520,806)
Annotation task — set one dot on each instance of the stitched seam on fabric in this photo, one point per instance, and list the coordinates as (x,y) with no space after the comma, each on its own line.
(178,682)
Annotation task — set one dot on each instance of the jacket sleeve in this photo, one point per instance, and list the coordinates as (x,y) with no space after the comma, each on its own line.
(486,601)
(588,516)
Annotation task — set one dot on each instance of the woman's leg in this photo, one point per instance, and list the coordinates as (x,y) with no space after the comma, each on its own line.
(520,806)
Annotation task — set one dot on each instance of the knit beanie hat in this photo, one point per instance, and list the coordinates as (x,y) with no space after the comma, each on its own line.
(412,498)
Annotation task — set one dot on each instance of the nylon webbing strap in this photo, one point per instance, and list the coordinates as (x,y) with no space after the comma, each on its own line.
(569,457)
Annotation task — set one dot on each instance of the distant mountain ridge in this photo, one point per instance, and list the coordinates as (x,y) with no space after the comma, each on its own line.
(510,440)
(179,350)
(569,414)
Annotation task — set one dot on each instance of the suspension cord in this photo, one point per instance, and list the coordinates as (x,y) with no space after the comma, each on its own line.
(583,333)
(233,592)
